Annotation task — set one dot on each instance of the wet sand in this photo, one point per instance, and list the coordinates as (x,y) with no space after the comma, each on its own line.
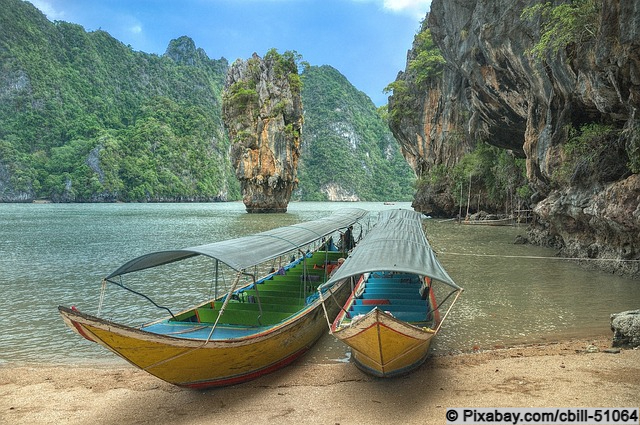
(538,375)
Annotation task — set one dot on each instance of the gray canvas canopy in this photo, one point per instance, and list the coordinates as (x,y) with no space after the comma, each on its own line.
(248,251)
(397,243)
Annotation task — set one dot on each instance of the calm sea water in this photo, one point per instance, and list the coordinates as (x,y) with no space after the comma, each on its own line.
(57,254)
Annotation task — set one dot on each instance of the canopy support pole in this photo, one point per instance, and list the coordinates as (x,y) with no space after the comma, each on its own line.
(326,262)
(305,275)
(224,306)
(255,285)
(217,275)
(448,310)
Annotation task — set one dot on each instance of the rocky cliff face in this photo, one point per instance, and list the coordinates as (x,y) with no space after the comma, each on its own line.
(262,111)
(431,132)
(586,203)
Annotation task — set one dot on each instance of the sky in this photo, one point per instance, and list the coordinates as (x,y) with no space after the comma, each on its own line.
(366,40)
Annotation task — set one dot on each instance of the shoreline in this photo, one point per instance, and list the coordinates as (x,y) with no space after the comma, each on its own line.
(552,374)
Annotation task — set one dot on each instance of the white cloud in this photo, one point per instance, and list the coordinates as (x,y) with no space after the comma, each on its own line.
(46,8)
(414,7)
(136,29)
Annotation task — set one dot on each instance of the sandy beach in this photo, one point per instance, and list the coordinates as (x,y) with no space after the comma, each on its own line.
(560,374)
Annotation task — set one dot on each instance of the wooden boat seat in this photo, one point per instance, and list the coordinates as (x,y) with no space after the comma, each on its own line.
(364,309)
(396,281)
(290,305)
(408,293)
(407,315)
(394,301)
(299,273)
(281,286)
(394,285)
(232,317)
(374,302)
(270,299)
(413,289)
(238,317)
(291,280)
(282,308)
(291,294)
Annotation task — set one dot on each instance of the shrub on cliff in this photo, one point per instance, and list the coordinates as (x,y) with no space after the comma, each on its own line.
(487,178)
(424,67)
(591,154)
(575,21)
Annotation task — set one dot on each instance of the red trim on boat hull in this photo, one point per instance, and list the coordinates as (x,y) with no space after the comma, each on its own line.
(82,332)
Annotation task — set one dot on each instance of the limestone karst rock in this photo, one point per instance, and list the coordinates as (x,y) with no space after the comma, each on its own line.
(491,89)
(262,112)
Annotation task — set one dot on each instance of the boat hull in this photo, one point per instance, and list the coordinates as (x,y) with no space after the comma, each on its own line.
(384,346)
(200,363)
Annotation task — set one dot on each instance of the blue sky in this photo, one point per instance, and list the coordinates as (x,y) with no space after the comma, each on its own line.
(366,40)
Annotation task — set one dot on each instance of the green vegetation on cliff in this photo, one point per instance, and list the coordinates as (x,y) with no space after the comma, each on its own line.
(563,24)
(348,150)
(85,118)
(488,178)
(591,149)
(423,68)
(591,154)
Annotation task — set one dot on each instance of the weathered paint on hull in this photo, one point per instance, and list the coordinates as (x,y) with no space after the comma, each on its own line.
(384,346)
(199,364)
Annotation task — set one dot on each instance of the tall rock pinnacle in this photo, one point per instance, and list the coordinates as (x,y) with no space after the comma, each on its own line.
(262,112)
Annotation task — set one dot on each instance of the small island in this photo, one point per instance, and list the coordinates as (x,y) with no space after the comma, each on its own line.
(262,112)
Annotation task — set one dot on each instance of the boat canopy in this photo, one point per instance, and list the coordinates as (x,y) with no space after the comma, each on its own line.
(248,251)
(397,243)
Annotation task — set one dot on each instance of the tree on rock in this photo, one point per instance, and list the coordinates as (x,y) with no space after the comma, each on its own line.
(262,112)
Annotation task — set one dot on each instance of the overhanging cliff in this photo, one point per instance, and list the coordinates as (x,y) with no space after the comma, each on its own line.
(571,113)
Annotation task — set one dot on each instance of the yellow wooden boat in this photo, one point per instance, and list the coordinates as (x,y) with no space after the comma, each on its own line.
(252,329)
(391,316)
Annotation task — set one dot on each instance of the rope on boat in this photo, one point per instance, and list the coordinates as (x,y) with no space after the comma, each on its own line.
(340,306)
(103,291)
(121,284)
(324,307)
(534,257)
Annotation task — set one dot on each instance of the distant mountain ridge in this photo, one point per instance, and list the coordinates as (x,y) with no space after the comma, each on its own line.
(348,151)
(84,118)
